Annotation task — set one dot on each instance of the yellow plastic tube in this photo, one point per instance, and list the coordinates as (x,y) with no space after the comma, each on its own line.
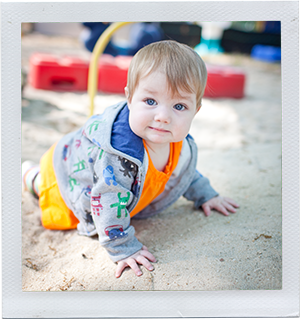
(93,68)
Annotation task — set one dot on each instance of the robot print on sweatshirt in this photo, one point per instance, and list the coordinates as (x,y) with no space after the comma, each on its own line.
(108,175)
(128,167)
(96,205)
(121,204)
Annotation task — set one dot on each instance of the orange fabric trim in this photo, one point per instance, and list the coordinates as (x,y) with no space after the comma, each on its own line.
(55,213)
(155,180)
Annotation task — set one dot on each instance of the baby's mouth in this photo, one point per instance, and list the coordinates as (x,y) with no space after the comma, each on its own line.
(158,129)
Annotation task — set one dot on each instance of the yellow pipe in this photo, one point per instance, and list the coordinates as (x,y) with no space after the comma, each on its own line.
(93,68)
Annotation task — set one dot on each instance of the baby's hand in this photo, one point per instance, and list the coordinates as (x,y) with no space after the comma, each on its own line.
(221,204)
(141,257)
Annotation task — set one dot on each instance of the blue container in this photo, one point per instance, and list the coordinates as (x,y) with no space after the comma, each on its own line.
(266,53)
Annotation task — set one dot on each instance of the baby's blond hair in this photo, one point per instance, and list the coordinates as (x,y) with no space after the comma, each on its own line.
(182,66)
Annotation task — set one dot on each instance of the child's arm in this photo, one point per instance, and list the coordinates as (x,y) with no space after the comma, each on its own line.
(111,197)
(204,196)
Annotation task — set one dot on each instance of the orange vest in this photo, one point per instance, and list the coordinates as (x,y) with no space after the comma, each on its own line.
(155,180)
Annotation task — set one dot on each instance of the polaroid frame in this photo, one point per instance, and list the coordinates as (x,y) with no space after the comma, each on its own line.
(18,304)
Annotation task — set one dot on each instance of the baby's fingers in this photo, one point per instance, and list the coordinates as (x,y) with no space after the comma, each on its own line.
(121,266)
(230,208)
(133,265)
(148,255)
(231,202)
(222,210)
(130,262)
(145,262)
(206,210)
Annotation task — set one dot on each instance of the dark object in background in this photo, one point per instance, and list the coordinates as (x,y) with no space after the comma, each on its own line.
(141,34)
(243,41)
(182,32)
(95,30)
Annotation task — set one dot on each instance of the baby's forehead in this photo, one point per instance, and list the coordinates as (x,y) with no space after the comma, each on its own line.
(177,87)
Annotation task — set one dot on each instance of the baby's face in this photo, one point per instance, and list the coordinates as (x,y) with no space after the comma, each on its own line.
(156,115)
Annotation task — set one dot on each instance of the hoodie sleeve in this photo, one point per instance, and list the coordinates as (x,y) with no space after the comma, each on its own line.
(111,196)
(200,190)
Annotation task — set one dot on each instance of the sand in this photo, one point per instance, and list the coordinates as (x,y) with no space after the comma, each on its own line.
(239,145)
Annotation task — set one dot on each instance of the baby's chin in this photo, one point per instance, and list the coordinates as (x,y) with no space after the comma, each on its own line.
(159,141)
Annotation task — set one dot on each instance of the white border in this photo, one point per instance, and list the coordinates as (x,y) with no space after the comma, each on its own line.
(18,304)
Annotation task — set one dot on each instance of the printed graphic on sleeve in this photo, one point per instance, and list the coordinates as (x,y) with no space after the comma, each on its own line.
(77,143)
(72,183)
(95,204)
(87,191)
(115,231)
(94,126)
(101,154)
(96,142)
(108,174)
(121,204)
(81,165)
(128,167)
(66,152)
(92,148)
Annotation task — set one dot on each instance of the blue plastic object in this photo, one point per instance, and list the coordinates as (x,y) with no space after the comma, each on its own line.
(207,46)
(266,53)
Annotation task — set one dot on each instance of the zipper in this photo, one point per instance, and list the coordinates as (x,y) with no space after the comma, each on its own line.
(142,179)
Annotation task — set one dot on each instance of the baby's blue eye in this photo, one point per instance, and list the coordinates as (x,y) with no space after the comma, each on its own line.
(179,107)
(150,102)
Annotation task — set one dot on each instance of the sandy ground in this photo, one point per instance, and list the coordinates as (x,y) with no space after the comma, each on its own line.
(239,151)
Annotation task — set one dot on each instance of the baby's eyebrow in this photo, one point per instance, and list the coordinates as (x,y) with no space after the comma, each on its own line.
(150,91)
(183,97)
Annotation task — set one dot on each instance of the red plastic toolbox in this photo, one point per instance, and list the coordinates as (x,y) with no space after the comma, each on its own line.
(55,73)
(224,81)
(50,72)
(112,73)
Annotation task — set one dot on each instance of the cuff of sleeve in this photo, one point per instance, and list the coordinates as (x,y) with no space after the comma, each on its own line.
(200,191)
(123,248)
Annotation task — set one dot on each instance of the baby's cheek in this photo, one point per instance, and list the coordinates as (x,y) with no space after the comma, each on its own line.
(183,131)
(136,125)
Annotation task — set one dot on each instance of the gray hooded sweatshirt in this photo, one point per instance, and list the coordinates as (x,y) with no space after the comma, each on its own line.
(101,169)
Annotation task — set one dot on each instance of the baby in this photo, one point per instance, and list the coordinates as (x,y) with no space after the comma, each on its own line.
(134,160)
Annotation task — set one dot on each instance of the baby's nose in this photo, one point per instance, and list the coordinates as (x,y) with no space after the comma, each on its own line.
(163,116)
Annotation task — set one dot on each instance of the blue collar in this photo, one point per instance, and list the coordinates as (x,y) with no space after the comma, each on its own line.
(123,139)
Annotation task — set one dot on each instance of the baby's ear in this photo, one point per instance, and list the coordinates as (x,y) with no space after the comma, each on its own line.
(126,92)
(198,108)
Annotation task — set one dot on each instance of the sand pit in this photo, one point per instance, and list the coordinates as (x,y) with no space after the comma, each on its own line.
(239,145)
